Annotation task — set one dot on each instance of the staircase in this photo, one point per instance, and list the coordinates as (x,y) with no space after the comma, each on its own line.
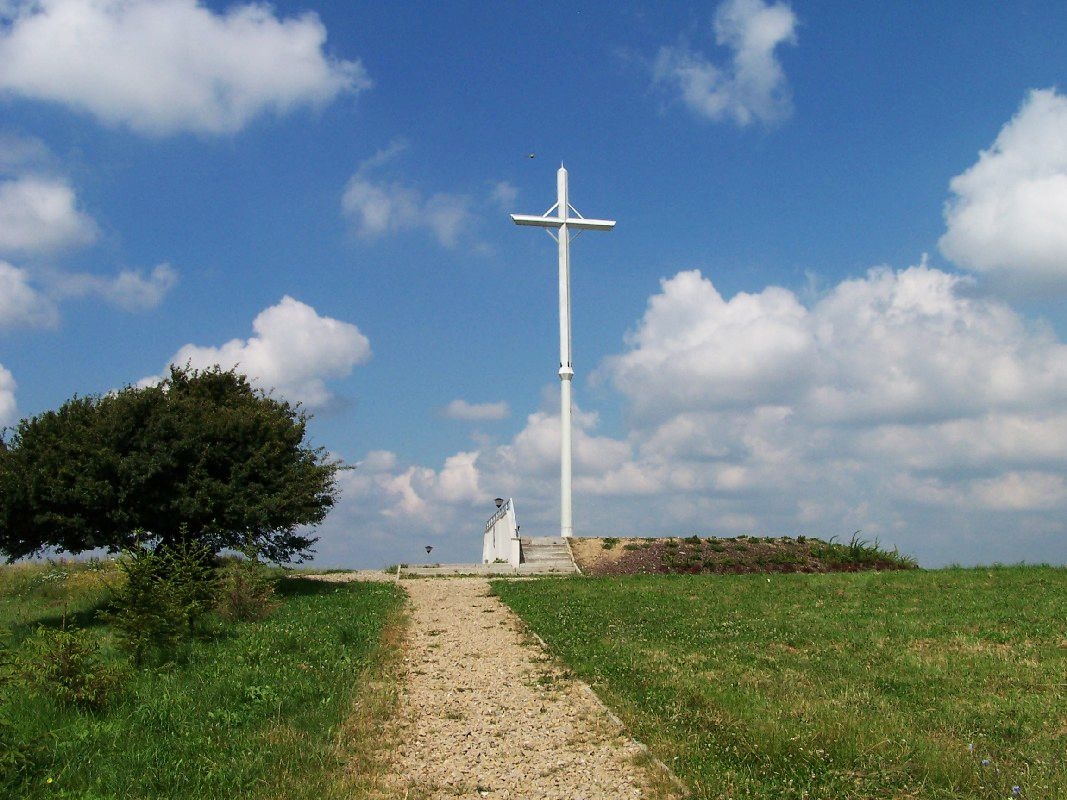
(542,554)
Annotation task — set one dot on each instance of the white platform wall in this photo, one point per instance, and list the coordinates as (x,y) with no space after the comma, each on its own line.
(501,542)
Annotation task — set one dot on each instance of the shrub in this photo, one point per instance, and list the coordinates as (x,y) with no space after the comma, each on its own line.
(164,596)
(189,570)
(245,590)
(66,664)
(609,542)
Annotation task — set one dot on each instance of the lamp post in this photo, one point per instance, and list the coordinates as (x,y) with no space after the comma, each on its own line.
(564,223)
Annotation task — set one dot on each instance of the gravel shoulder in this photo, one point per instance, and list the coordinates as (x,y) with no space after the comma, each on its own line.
(485,713)
(375,575)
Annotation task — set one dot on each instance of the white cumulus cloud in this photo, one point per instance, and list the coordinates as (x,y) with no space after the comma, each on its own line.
(753,86)
(8,409)
(381,207)
(294,351)
(39,215)
(894,400)
(390,495)
(21,305)
(1008,212)
(164,66)
(897,403)
(891,345)
(535,449)
(130,290)
(389,512)
(378,207)
(692,346)
(476,412)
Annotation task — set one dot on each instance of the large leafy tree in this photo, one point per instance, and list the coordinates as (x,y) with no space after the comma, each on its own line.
(203,456)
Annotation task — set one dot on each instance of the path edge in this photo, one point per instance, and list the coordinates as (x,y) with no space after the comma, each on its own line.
(675,781)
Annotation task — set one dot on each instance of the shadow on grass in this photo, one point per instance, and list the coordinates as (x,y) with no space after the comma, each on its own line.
(88,617)
(303,587)
(94,616)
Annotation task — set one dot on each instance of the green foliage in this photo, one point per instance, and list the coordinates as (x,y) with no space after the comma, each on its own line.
(608,542)
(66,664)
(16,754)
(264,711)
(7,666)
(860,553)
(244,590)
(845,686)
(202,456)
(164,596)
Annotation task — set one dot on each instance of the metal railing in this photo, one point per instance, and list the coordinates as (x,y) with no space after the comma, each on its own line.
(499,515)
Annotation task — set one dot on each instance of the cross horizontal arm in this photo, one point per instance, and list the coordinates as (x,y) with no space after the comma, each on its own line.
(540,222)
(557,222)
(591,224)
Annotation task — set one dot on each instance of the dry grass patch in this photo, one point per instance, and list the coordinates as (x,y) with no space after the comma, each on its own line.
(365,739)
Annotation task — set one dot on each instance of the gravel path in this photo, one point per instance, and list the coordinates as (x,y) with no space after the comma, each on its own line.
(485,713)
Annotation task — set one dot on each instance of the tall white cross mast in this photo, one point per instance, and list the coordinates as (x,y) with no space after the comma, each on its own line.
(565,223)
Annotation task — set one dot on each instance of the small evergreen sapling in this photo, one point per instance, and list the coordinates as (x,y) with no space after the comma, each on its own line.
(162,600)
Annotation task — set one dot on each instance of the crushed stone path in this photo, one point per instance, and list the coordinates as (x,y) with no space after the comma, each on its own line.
(486,714)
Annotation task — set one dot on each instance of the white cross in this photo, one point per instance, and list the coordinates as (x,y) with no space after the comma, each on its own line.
(564,222)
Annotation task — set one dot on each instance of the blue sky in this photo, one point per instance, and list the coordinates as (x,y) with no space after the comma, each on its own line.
(834,300)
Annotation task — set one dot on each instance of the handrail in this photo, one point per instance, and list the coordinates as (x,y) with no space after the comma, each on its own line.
(499,515)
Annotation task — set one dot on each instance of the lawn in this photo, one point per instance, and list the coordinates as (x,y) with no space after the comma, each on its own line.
(287,707)
(926,684)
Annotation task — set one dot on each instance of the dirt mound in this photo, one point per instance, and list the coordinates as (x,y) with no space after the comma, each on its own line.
(741,554)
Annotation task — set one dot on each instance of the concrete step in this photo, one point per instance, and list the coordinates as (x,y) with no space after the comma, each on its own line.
(488,570)
(545,544)
(547,553)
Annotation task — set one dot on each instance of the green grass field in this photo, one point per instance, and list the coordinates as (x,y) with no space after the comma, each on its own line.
(288,707)
(929,684)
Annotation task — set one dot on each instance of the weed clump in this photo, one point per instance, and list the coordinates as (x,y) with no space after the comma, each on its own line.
(245,590)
